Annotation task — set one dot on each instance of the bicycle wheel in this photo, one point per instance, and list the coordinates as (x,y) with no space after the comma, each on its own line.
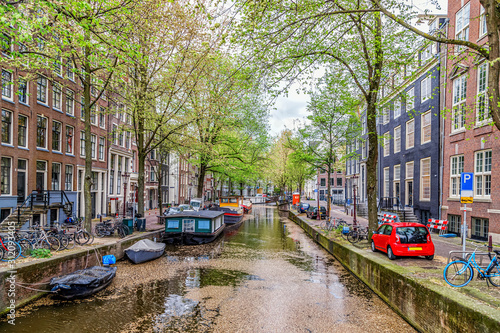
(64,240)
(100,230)
(12,250)
(89,236)
(121,232)
(494,275)
(458,273)
(71,241)
(352,237)
(55,244)
(322,225)
(26,247)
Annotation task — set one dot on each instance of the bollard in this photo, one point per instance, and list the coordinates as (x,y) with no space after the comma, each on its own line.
(490,244)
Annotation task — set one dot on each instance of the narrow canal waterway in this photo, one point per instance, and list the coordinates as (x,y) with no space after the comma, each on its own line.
(268,276)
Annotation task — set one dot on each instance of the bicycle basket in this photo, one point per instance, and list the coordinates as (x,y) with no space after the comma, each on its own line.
(345,230)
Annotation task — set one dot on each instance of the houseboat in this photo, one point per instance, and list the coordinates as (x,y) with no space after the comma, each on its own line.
(232,208)
(193,227)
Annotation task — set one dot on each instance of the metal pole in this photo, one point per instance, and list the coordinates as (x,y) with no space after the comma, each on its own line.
(464,230)
(318,214)
(354,219)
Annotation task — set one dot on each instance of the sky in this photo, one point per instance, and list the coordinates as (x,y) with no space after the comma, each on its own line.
(293,107)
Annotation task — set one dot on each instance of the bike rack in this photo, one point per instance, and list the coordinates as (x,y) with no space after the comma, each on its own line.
(467,255)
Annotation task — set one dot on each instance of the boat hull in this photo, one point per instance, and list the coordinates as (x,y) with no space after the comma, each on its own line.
(191,238)
(83,283)
(144,250)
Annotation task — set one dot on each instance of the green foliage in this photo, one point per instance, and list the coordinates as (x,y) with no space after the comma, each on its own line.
(41,253)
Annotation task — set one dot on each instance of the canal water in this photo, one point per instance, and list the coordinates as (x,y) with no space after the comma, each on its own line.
(268,276)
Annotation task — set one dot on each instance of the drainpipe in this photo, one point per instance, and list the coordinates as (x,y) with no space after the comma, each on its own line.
(442,101)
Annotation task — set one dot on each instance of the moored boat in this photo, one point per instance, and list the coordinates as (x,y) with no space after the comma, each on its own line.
(193,227)
(247,206)
(145,250)
(82,283)
(232,208)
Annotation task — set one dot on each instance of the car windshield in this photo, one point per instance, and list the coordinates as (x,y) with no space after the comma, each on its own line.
(412,235)
(195,204)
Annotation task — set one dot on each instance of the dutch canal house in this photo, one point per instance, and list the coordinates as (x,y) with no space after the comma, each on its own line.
(40,154)
(471,142)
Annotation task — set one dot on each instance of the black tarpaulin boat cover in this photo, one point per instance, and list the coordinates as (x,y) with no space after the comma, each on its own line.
(90,277)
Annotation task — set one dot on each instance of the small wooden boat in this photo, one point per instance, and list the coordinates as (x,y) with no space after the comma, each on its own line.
(83,283)
(232,208)
(144,250)
(193,227)
(247,206)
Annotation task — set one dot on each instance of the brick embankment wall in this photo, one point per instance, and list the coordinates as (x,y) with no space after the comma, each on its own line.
(427,306)
(40,271)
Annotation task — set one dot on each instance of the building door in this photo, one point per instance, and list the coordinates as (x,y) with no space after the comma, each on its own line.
(151,196)
(21,186)
(397,191)
(188,225)
(409,193)
(92,200)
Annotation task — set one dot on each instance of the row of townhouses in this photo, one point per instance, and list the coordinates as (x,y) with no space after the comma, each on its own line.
(42,151)
(436,125)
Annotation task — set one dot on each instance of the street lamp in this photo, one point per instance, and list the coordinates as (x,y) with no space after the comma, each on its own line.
(318,213)
(125,176)
(354,190)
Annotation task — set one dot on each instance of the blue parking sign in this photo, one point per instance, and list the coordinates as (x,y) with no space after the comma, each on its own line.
(467,187)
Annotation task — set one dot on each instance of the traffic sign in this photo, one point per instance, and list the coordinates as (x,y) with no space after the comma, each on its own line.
(466,187)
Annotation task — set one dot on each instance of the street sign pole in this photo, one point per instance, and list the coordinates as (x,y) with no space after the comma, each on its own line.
(466,196)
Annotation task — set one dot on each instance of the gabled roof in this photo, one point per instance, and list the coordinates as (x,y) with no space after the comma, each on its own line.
(457,70)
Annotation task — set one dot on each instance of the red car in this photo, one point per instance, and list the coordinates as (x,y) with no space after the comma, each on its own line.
(403,239)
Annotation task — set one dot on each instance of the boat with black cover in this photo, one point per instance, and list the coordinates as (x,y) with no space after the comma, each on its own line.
(82,283)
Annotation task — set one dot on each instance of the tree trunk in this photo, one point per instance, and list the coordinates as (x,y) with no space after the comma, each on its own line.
(160,181)
(328,189)
(201,180)
(140,179)
(88,143)
(241,189)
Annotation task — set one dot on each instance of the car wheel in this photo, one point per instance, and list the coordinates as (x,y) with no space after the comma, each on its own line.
(429,257)
(374,249)
(390,254)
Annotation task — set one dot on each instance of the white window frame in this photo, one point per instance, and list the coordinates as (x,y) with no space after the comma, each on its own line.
(482,117)
(72,145)
(21,79)
(482,174)
(397,108)
(70,102)
(456,169)
(410,124)
(102,144)
(387,182)
(9,175)
(7,85)
(462,20)
(459,98)
(426,89)
(70,187)
(93,144)
(25,131)
(46,131)
(10,126)
(9,38)
(56,96)
(386,116)
(425,127)
(397,139)
(42,81)
(82,143)
(425,179)
(387,144)
(483,29)
(60,135)
(70,75)
(410,99)
(55,186)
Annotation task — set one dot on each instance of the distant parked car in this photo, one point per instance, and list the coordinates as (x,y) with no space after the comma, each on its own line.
(303,207)
(173,210)
(186,207)
(312,212)
(403,239)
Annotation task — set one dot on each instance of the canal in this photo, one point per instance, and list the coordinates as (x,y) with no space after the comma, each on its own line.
(268,276)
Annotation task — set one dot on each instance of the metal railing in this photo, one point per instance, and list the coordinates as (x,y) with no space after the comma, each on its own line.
(392,204)
(43,198)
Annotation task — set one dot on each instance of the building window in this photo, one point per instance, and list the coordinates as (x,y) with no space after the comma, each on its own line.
(5,44)
(6,127)
(41,89)
(387,144)
(82,143)
(425,123)
(458,111)
(41,132)
(457,167)
(127,139)
(69,139)
(462,24)
(93,117)
(6,84)
(482,174)
(425,179)
(102,121)
(482,109)
(56,96)
(93,142)
(22,131)
(101,148)
(397,108)
(113,134)
(323,182)
(339,182)
(386,183)
(363,150)
(119,176)
(409,170)
(425,89)
(69,70)
(480,228)
(58,66)
(120,138)
(483,29)
(153,174)
(386,116)
(22,91)
(410,134)
(6,175)
(70,102)
(68,178)
(397,139)
(56,174)
(455,224)
(56,135)
(410,99)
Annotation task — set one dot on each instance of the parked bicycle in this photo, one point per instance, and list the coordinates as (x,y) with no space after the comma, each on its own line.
(79,236)
(39,239)
(357,234)
(9,250)
(108,229)
(460,272)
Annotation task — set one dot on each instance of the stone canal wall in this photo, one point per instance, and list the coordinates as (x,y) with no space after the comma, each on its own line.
(429,307)
(38,272)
